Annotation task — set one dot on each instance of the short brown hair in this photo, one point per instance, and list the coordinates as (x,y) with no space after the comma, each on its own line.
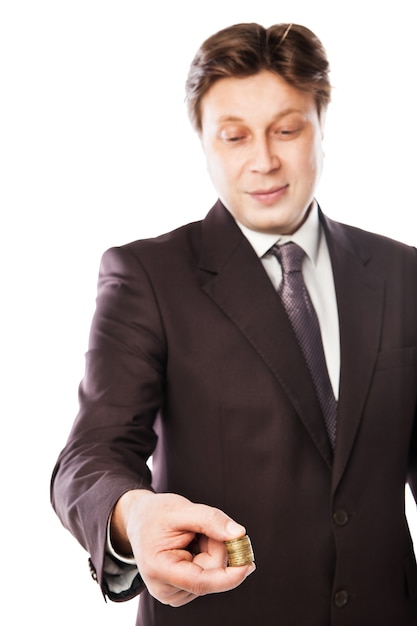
(292,51)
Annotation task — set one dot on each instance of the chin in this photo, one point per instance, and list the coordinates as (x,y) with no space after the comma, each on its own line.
(268,227)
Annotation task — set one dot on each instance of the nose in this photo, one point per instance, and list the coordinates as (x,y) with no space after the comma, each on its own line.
(264,157)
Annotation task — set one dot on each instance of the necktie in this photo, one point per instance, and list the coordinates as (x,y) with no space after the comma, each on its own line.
(303,318)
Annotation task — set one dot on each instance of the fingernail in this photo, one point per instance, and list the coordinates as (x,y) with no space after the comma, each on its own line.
(251,569)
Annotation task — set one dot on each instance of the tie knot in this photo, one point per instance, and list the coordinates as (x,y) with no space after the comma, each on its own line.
(291,256)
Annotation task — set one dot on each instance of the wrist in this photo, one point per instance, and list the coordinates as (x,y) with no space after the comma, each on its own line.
(125,508)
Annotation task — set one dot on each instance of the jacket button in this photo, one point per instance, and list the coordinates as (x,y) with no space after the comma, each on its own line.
(341,598)
(340,517)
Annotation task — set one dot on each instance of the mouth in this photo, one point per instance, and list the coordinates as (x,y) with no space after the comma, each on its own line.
(269,196)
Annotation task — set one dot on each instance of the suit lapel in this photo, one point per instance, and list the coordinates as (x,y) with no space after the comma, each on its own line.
(237,282)
(360,296)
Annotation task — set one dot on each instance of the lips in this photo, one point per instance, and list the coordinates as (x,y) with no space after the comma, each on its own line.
(269,196)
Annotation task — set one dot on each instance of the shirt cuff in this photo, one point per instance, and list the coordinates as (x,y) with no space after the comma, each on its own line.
(128,560)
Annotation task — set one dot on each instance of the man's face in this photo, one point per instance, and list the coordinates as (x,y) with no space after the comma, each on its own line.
(262,141)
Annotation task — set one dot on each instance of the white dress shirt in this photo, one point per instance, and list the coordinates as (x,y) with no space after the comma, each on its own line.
(318,277)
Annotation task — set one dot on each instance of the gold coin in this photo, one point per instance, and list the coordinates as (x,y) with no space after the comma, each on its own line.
(239,551)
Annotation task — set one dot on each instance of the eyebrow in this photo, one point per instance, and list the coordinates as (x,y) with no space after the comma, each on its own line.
(281,114)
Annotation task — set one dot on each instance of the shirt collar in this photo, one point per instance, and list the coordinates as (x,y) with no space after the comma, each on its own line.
(307,236)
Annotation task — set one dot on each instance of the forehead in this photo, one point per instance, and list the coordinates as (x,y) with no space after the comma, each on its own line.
(264,94)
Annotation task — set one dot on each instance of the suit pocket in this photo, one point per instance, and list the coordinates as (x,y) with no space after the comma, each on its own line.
(410,568)
(401,357)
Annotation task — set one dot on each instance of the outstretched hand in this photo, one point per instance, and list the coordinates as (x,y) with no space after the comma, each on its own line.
(178,545)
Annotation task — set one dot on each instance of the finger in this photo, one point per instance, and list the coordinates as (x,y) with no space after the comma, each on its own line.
(206,520)
(175,597)
(191,577)
(182,599)
(213,554)
(168,594)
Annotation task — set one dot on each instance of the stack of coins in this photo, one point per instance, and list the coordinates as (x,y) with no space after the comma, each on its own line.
(239,551)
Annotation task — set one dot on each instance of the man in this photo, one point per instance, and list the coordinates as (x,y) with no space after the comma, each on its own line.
(196,358)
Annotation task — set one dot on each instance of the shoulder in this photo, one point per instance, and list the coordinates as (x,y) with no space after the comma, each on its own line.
(176,244)
(367,244)
(184,246)
(185,235)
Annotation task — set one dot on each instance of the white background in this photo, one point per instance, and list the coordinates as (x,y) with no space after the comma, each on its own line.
(96,150)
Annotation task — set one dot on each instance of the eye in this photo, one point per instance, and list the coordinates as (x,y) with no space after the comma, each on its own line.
(234,139)
(233,135)
(288,128)
(287,132)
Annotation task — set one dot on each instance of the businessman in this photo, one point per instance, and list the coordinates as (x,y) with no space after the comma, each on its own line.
(266,359)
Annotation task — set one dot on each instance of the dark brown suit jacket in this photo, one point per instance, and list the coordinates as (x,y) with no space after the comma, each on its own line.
(191,350)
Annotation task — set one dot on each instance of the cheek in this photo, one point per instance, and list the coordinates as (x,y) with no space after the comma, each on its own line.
(213,166)
(224,171)
(313,161)
(318,162)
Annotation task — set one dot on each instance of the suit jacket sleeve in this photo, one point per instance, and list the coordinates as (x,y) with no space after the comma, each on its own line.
(112,438)
(412,466)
